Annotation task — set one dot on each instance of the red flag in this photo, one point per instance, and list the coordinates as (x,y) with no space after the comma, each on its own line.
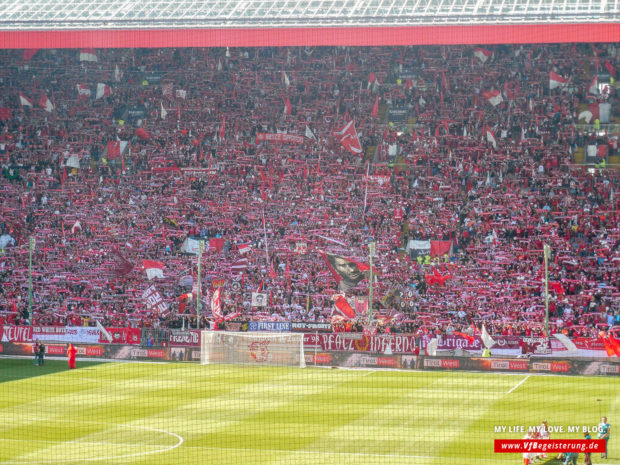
(153,268)
(287,275)
(46,103)
(615,345)
(469,338)
(444,81)
(375,108)
(142,134)
(287,106)
(347,135)
(608,348)
(223,128)
(555,80)
(371,79)
(29,53)
(343,306)
(493,97)
(482,54)
(557,287)
(610,68)
(24,101)
(88,54)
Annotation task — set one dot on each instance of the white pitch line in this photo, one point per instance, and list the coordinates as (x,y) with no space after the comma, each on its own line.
(167,448)
(518,384)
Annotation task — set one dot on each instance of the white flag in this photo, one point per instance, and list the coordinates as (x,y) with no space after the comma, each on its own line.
(309,133)
(163,111)
(486,338)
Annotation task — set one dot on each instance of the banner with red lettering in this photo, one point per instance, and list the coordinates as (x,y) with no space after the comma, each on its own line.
(279,138)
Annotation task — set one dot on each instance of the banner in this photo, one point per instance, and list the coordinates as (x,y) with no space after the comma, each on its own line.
(311,327)
(74,334)
(535,346)
(16,333)
(259,299)
(189,338)
(417,248)
(358,342)
(279,138)
(269,326)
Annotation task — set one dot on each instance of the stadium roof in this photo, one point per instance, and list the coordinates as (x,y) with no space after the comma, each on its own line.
(181,14)
(239,23)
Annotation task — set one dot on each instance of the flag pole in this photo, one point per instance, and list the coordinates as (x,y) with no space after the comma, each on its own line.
(31,247)
(371,251)
(201,247)
(366,190)
(546,253)
(265,234)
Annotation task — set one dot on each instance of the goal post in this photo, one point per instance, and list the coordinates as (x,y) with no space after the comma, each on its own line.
(258,348)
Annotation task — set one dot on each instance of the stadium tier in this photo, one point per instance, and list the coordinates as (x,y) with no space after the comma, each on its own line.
(204,204)
(459,162)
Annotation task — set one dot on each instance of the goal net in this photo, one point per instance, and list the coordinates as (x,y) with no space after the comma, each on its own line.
(276,349)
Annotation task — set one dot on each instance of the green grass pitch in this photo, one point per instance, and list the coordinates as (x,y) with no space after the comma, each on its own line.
(173,414)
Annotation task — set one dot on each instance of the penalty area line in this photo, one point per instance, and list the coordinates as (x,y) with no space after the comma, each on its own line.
(518,384)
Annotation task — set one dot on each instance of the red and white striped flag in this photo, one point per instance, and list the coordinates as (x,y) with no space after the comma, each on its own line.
(103,90)
(239,266)
(153,268)
(244,248)
(88,54)
(482,54)
(216,305)
(555,80)
(46,103)
(493,97)
(24,101)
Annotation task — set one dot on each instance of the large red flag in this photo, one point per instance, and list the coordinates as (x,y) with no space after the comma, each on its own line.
(347,135)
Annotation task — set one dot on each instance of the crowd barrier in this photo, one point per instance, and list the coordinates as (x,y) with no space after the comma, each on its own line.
(317,336)
(345,359)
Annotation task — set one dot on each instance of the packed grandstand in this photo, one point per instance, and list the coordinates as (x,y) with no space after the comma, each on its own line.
(459,162)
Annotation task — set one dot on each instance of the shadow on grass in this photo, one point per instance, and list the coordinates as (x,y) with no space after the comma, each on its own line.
(16,369)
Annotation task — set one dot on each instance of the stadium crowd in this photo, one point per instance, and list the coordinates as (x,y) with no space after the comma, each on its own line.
(459,144)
